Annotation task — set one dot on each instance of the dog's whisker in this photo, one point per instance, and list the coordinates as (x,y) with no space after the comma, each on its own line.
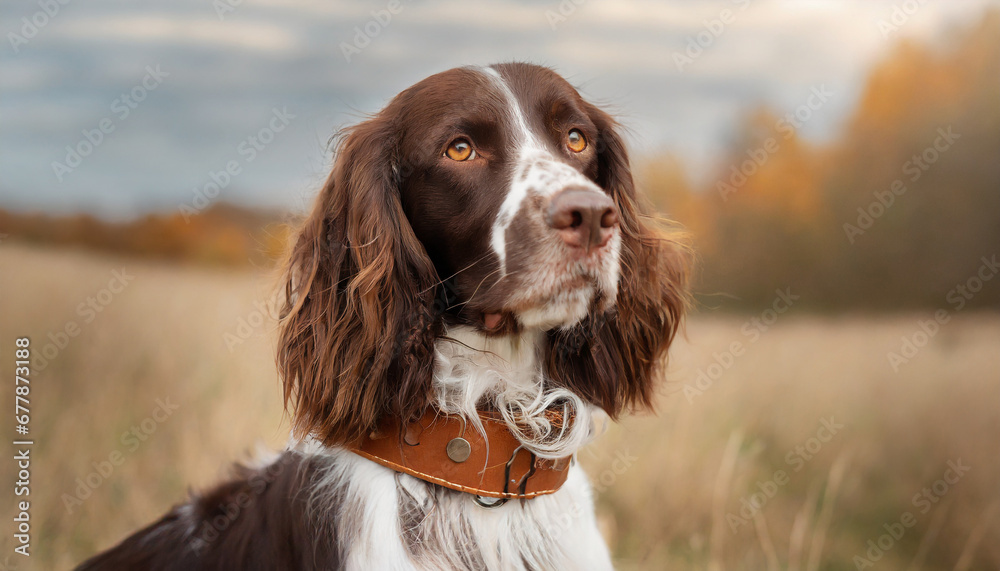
(486,277)
(442,281)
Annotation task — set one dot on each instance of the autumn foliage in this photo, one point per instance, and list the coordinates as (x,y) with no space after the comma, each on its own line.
(831,221)
(221,235)
(899,208)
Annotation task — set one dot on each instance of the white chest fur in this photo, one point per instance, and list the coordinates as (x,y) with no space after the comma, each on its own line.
(388,520)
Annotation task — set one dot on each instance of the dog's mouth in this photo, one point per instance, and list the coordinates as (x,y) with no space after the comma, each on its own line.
(499,322)
(565,304)
(492,320)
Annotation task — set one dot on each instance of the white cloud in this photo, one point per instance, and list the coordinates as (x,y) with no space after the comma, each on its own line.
(180,30)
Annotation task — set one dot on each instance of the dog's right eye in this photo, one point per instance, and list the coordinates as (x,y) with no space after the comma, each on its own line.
(576,141)
(460,150)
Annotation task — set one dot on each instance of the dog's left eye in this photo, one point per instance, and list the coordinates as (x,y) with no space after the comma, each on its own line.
(576,141)
(460,150)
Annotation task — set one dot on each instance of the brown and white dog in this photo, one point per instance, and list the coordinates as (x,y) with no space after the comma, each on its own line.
(477,253)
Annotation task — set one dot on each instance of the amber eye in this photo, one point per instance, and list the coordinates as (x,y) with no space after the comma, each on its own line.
(460,150)
(576,141)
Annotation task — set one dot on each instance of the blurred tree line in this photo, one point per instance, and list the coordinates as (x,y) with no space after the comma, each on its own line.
(223,234)
(894,213)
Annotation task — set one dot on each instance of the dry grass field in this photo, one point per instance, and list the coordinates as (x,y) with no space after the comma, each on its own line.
(804,446)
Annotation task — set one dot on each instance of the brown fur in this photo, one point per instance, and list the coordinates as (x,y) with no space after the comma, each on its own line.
(360,318)
(258,520)
(614,360)
(357,333)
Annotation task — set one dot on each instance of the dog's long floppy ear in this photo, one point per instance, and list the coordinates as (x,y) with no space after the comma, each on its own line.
(357,330)
(613,359)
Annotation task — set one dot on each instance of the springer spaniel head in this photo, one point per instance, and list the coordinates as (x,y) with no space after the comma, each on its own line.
(494,198)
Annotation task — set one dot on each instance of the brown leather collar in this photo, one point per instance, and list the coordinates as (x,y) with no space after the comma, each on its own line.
(443,450)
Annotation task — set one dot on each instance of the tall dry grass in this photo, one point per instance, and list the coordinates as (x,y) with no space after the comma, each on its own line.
(160,338)
(666,484)
(696,460)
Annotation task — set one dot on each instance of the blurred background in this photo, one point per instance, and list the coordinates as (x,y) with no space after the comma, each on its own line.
(835,403)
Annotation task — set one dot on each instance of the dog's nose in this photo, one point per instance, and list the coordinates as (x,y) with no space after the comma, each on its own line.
(584,218)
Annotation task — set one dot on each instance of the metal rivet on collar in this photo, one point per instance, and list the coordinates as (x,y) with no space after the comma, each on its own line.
(459,449)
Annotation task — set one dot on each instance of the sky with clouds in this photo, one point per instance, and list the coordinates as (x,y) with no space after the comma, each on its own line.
(157,98)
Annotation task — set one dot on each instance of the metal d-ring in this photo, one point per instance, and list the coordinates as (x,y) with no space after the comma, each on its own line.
(489,503)
(522,487)
(523,484)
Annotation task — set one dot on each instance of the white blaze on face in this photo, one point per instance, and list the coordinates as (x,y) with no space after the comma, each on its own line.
(536,172)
